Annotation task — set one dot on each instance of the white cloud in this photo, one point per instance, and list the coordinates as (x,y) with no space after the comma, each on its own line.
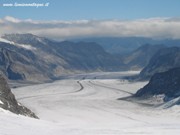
(152,27)
(11,19)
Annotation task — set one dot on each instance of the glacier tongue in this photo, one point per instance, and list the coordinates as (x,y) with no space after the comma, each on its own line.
(65,107)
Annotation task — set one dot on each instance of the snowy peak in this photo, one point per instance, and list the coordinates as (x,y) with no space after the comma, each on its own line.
(24,38)
(6,41)
(25,46)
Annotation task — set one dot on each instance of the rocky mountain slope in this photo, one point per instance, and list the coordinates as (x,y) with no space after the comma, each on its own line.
(29,57)
(33,58)
(163,60)
(9,102)
(166,83)
(140,57)
(125,45)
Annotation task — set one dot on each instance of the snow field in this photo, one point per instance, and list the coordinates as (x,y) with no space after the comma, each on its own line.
(88,105)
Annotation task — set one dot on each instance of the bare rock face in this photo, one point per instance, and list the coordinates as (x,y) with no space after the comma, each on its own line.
(163,60)
(9,102)
(167,83)
(140,57)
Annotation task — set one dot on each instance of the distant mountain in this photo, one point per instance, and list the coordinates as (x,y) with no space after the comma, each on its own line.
(29,57)
(25,39)
(9,102)
(19,63)
(118,45)
(125,45)
(33,58)
(139,58)
(87,56)
(163,60)
(166,83)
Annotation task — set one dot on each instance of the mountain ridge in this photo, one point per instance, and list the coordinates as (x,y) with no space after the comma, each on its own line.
(141,56)
(125,45)
(9,102)
(167,83)
(163,60)
(50,59)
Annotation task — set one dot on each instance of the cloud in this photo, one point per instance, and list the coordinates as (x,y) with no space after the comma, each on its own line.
(11,19)
(152,27)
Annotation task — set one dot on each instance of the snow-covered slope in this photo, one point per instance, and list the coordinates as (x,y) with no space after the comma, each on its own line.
(80,106)
(40,59)
(25,46)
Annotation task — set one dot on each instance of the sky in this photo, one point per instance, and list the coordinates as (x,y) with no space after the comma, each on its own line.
(92,9)
(77,18)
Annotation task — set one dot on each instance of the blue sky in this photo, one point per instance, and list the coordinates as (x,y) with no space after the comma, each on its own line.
(93,9)
(65,19)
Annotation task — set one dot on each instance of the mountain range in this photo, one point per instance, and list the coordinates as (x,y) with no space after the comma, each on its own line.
(140,57)
(33,58)
(126,45)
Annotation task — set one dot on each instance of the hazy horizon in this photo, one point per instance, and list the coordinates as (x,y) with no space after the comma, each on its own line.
(66,19)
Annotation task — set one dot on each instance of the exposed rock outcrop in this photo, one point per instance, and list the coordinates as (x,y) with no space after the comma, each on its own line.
(139,58)
(162,61)
(167,83)
(9,102)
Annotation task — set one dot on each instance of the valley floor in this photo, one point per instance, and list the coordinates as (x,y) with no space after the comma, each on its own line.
(87,105)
